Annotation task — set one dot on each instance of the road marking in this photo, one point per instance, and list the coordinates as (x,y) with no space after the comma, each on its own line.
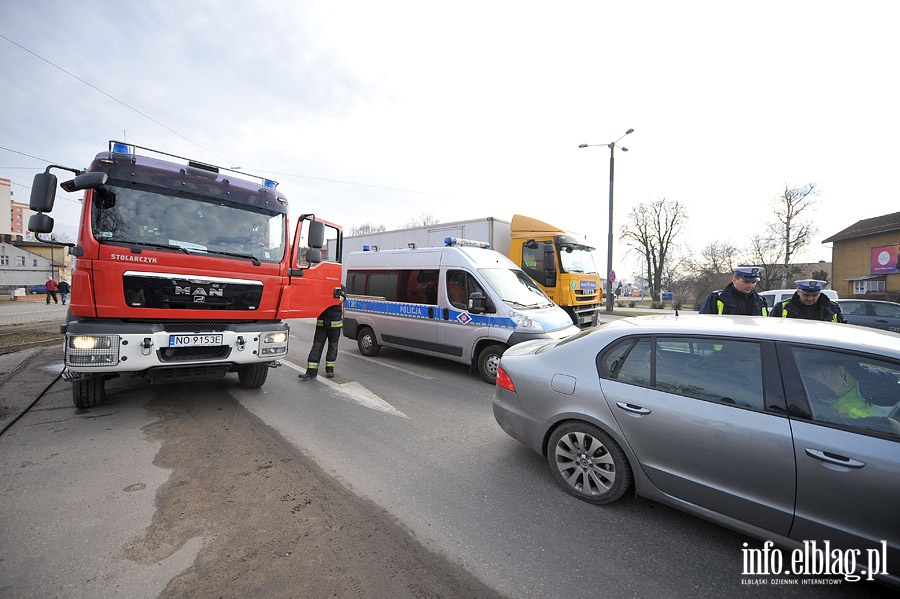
(386,365)
(354,392)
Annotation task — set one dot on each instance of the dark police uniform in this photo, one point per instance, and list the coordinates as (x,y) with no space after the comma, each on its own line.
(823,309)
(732,301)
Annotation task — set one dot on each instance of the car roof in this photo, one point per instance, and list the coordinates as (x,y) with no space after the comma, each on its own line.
(829,334)
(868,301)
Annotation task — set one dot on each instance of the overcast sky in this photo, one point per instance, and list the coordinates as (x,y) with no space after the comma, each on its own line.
(379,112)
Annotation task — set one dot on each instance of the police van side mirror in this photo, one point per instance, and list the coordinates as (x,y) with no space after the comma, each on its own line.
(477,303)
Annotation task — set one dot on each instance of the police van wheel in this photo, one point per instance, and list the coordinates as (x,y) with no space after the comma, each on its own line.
(489,362)
(368,345)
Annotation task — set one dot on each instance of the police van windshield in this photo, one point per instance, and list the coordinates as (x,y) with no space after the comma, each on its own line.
(139,217)
(577,258)
(515,287)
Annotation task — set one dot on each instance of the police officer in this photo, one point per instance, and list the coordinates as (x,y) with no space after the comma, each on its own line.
(328,328)
(739,296)
(809,303)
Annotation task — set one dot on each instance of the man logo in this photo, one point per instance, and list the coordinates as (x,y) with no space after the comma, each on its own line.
(199,292)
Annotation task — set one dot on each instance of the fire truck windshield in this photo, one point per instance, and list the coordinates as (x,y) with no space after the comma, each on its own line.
(132,216)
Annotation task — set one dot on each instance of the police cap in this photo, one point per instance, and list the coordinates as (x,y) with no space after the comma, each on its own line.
(748,273)
(811,286)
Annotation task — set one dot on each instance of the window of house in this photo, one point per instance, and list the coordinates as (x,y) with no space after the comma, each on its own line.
(863,287)
(20,260)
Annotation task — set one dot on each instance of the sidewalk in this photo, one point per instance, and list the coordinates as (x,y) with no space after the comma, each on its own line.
(22,312)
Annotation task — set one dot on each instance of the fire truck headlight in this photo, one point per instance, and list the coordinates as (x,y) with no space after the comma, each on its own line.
(92,350)
(279,337)
(273,344)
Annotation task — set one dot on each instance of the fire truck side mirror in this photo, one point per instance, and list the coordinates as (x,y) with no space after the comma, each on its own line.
(40,223)
(88,180)
(313,256)
(43,193)
(316,235)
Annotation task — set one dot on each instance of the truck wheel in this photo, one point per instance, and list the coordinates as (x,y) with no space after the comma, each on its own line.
(89,392)
(368,344)
(489,362)
(253,376)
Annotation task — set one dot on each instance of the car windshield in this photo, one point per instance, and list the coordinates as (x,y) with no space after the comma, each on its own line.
(577,258)
(515,287)
(137,217)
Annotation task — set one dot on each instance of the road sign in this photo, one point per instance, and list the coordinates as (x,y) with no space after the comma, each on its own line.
(612,276)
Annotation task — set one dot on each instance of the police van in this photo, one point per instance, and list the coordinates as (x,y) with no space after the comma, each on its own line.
(464,302)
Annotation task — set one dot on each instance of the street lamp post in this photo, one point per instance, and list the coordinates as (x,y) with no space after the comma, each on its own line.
(609,244)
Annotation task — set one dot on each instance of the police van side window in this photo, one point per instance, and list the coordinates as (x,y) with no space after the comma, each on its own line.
(460,285)
(380,284)
(418,286)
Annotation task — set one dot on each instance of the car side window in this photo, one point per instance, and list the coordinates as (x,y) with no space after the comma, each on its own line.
(853,308)
(629,362)
(723,370)
(886,310)
(851,389)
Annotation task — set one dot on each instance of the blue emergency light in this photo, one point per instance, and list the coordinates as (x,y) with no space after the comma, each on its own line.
(270,184)
(120,148)
(466,243)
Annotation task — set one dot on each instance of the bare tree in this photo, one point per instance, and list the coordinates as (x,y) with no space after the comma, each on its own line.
(767,251)
(366,228)
(652,230)
(710,270)
(423,220)
(792,232)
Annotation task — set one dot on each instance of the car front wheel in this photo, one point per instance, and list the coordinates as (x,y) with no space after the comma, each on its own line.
(587,463)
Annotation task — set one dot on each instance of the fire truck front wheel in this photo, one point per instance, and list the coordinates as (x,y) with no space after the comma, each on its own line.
(88,392)
(253,376)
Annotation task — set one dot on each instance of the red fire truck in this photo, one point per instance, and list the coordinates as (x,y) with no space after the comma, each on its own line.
(183,270)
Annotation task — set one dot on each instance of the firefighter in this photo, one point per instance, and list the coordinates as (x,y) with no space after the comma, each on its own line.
(328,328)
(739,296)
(809,303)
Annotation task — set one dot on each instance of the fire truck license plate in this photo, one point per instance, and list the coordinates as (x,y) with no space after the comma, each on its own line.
(194,340)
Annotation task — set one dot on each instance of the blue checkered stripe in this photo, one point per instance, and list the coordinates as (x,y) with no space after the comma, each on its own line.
(420,311)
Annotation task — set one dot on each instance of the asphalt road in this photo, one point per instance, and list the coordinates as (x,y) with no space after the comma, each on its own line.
(414,436)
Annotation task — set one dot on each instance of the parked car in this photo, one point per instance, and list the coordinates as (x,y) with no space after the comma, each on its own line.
(872,313)
(723,417)
(35,289)
(774,296)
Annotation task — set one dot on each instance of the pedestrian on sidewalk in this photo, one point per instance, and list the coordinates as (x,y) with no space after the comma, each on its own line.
(51,287)
(64,290)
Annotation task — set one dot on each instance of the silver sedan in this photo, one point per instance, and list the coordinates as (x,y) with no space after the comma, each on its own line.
(784,430)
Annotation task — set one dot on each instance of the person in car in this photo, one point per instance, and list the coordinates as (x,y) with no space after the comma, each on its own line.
(739,296)
(809,303)
(849,391)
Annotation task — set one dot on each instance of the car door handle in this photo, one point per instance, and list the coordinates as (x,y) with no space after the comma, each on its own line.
(632,408)
(831,458)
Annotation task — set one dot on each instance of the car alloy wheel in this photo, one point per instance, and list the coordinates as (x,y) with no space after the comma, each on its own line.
(587,463)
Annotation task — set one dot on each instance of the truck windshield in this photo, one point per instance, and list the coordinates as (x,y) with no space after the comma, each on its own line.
(138,217)
(577,258)
(515,287)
